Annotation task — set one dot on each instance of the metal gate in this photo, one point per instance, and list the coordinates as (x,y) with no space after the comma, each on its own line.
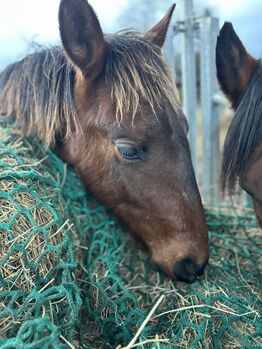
(205,29)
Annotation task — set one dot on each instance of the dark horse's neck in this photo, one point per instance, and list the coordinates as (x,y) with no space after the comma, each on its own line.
(38,92)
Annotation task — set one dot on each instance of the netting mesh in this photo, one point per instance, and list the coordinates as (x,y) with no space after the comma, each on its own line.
(71,277)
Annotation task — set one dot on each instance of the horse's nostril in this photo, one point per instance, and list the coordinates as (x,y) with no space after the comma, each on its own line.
(187,270)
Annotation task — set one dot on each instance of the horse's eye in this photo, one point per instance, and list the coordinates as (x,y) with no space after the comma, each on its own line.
(128,150)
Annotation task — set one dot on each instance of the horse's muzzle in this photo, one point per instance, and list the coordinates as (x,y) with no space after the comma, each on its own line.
(187,270)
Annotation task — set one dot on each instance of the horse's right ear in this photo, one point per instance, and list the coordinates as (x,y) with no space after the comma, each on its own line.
(157,34)
(235,66)
(82,37)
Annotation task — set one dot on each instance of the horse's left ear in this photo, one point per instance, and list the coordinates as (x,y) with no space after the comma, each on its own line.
(235,66)
(157,34)
(82,37)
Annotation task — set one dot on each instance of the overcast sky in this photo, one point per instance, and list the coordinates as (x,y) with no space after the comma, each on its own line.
(23,20)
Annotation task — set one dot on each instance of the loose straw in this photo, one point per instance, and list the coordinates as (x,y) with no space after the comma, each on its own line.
(132,342)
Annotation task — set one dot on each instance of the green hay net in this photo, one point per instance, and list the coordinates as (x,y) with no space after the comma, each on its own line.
(72,277)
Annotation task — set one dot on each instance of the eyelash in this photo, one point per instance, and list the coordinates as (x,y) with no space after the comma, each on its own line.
(128,150)
(130,153)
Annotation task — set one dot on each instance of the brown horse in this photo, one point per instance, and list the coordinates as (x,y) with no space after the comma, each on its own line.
(108,106)
(240,78)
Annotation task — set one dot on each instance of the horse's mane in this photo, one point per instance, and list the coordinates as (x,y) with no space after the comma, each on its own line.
(244,133)
(38,90)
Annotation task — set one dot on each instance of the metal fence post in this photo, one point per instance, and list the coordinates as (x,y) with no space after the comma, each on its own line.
(209,28)
(189,75)
(169,52)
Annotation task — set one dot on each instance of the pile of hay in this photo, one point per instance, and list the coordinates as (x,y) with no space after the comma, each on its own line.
(39,298)
(71,277)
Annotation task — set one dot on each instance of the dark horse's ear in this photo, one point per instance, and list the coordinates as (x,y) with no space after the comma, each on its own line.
(82,36)
(235,66)
(157,34)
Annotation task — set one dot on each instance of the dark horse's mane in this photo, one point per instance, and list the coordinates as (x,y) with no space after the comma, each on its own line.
(244,134)
(39,90)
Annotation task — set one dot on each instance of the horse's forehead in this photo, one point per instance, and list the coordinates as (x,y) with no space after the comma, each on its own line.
(149,124)
(162,118)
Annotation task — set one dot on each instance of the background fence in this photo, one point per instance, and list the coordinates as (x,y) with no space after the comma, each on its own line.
(205,156)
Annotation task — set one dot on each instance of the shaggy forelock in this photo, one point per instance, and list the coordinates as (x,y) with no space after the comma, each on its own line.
(137,73)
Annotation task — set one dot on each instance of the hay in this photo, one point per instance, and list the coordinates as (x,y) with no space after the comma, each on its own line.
(70,276)
(35,255)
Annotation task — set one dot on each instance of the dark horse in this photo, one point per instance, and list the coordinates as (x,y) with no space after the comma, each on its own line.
(108,106)
(240,78)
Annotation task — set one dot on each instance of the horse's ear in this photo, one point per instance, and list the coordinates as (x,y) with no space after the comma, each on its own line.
(157,34)
(235,66)
(82,37)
